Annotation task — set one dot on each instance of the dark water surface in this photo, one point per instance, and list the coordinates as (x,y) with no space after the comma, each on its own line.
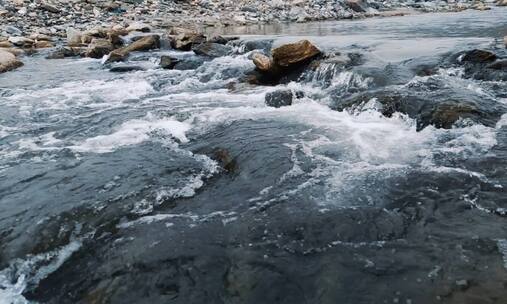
(111,192)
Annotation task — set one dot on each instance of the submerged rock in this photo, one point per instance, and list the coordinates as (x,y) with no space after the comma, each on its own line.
(224,158)
(445,115)
(279,98)
(8,62)
(212,49)
(123,69)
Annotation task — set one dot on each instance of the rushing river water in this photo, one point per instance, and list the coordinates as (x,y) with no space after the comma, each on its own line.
(111,192)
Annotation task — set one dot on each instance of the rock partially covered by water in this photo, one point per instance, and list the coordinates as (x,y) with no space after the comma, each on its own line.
(64,52)
(8,61)
(445,115)
(279,98)
(262,62)
(292,54)
(478,56)
(211,49)
(168,62)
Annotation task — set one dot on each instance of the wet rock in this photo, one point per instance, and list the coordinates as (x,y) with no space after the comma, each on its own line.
(224,158)
(294,53)
(212,49)
(115,38)
(145,43)
(168,62)
(262,62)
(257,44)
(191,63)
(64,52)
(478,56)
(279,98)
(124,69)
(462,284)
(185,41)
(98,48)
(445,115)
(221,39)
(8,62)
(498,65)
(357,5)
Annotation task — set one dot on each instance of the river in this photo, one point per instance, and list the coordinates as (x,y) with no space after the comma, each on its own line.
(111,192)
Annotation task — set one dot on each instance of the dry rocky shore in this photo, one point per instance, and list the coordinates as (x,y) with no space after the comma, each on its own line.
(91,28)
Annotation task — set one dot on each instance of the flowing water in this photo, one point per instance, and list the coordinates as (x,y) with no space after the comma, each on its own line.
(111,190)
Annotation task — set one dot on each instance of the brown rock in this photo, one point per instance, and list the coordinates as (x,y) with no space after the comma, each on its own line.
(98,48)
(356,5)
(479,56)
(144,44)
(73,37)
(294,53)
(8,62)
(5,44)
(185,39)
(43,44)
(14,51)
(262,62)
(21,41)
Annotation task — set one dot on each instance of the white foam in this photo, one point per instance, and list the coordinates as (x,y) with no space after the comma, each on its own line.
(29,272)
(133,132)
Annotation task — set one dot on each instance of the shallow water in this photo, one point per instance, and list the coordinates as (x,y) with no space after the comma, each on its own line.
(110,188)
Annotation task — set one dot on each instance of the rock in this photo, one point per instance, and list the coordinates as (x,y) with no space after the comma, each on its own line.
(279,98)
(123,69)
(40,37)
(43,44)
(50,8)
(462,284)
(501,3)
(212,49)
(294,53)
(14,51)
(221,39)
(98,48)
(505,41)
(224,158)
(478,56)
(73,37)
(185,41)
(498,65)
(445,115)
(64,52)
(357,5)
(8,62)
(139,27)
(168,62)
(262,62)
(146,43)
(13,30)
(115,38)
(481,7)
(5,44)
(21,41)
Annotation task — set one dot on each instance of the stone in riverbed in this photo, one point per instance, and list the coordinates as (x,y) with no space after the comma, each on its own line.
(73,37)
(279,98)
(139,27)
(185,40)
(262,62)
(146,43)
(221,40)
(498,65)
(8,61)
(65,52)
(357,6)
(98,48)
(124,69)
(478,56)
(212,49)
(505,41)
(168,62)
(445,115)
(43,44)
(21,41)
(50,8)
(294,53)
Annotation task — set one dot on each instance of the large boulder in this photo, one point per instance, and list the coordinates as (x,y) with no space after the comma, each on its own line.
(357,6)
(8,61)
(98,48)
(211,49)
(294,53)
